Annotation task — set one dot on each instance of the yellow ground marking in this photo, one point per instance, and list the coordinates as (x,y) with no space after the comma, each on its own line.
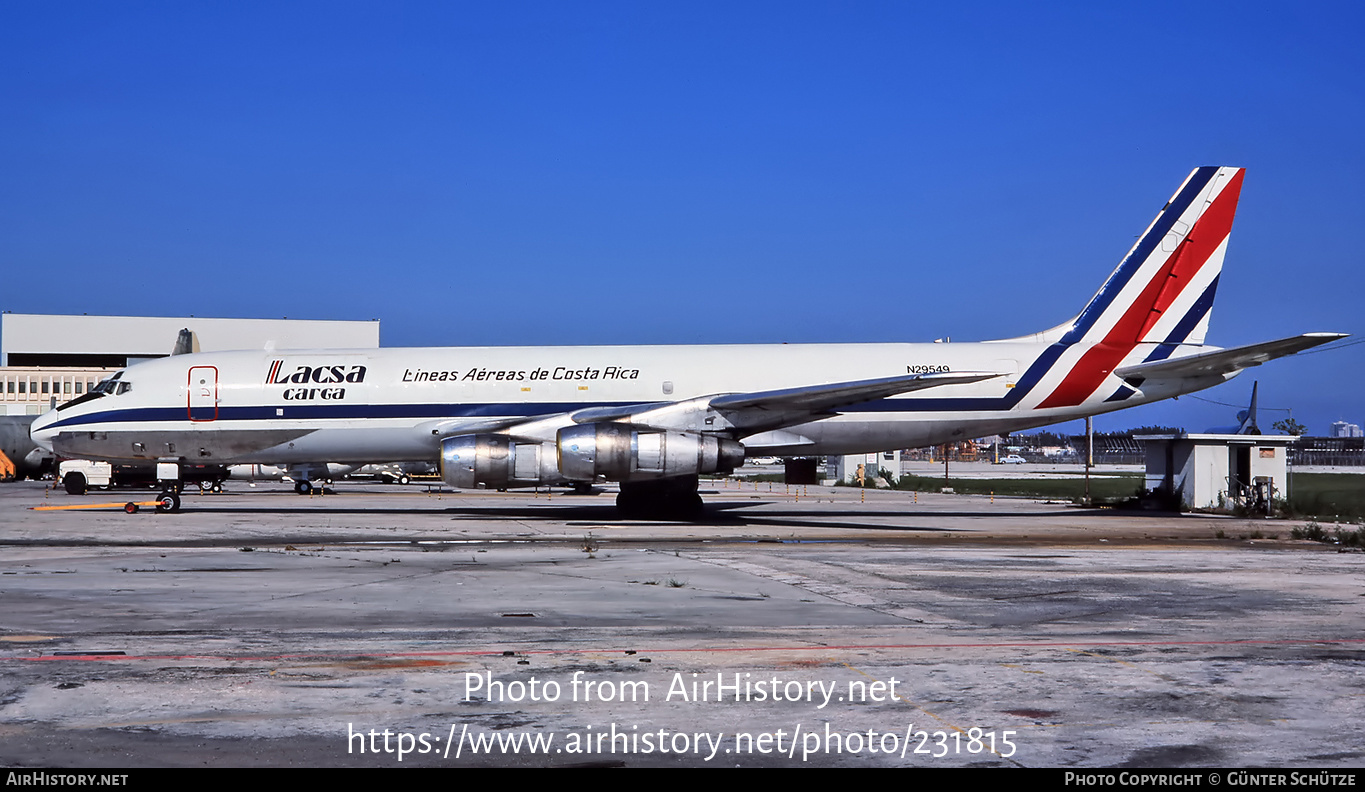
(1020,668)
(1133,666)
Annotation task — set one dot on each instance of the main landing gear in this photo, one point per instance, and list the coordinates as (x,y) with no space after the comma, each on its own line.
(306,487)
(664,499)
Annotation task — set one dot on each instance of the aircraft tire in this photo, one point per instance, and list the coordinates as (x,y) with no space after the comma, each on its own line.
(404,479)
(75,483)
(631,505)
(303,487)
(168,501)
(692,505)
(659,502)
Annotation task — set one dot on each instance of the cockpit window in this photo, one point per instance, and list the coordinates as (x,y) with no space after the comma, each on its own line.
(111,385)
(114,386)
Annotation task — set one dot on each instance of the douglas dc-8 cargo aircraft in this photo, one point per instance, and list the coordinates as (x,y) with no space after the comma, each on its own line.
(654,417)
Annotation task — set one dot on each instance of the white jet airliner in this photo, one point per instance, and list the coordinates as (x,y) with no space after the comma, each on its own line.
(654,417)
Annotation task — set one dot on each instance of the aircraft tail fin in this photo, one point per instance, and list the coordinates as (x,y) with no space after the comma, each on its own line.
(1162,291)
(186,343)
(1246,419)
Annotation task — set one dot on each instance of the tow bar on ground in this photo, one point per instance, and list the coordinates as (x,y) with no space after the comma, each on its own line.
(166,503)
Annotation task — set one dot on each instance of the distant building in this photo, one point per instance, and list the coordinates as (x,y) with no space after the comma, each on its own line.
(1343,429)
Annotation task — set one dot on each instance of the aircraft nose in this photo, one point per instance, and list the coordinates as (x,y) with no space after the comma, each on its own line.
(40,432)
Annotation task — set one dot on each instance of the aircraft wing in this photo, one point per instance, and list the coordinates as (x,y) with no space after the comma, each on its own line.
(460,426)
(747,413)
(811,400)
(1225,361)
(822,398)
(595,414)
(742,413)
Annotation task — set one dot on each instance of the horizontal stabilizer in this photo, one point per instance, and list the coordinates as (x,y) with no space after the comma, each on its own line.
(1225,361)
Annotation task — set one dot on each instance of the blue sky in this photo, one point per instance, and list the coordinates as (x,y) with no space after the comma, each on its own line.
(582,173)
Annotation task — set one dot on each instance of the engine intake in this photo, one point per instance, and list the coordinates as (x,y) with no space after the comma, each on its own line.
(620,453)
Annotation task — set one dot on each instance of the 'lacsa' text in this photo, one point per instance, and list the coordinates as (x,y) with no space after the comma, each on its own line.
(332,379)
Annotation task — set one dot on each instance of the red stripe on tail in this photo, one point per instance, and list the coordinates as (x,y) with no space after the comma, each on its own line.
(1199,244)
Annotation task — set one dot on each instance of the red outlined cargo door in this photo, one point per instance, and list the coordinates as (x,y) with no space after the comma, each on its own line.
(202,393)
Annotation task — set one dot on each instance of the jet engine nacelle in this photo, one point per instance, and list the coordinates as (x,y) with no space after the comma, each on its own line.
(621,453)
(497,461)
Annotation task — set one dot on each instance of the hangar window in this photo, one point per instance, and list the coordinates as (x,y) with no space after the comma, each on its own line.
(11,386)
(78,386)
(23,386)
(66,386)
(46,385)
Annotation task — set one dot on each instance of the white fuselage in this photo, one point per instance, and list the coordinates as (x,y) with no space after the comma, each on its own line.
(283,407)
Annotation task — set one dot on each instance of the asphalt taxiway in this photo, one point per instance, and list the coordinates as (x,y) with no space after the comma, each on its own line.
(387,626)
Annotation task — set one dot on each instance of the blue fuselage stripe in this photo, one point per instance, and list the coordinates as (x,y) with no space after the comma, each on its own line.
(338,411)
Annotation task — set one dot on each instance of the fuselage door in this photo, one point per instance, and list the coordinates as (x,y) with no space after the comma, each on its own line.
(202,393)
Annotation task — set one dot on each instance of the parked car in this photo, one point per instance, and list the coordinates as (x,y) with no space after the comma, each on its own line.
(1012,459)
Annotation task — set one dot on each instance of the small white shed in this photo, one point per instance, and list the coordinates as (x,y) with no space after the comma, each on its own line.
(1218,470)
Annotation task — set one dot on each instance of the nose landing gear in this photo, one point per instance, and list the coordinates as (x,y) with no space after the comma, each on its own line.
(168,501)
